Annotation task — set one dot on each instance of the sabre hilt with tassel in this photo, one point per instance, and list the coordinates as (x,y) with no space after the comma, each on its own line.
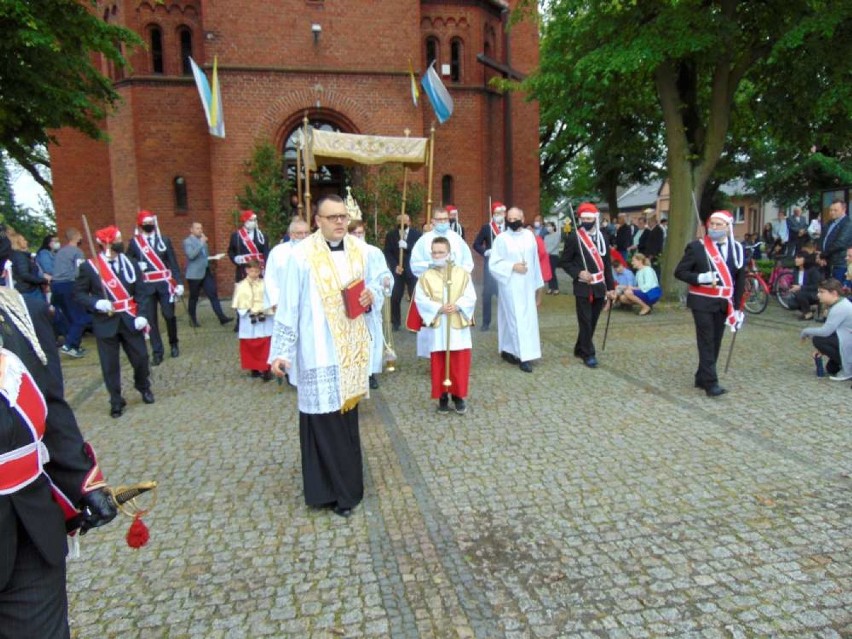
(124,499)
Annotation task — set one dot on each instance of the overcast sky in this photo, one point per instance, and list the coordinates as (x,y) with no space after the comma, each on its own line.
(27,190)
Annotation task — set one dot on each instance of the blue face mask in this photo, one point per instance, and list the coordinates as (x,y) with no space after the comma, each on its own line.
(717,235)
(442,227)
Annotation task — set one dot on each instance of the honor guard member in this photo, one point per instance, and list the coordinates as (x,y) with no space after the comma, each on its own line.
(482,245)
(247,244)
(587,260)
(48,475)
(455,225)
(112,288)
(400,242)
(161,272)
(713,269)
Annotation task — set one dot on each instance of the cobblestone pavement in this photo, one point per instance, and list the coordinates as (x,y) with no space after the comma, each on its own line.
(617,502)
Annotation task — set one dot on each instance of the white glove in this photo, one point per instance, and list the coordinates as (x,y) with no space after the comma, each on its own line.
(706,278)
(140,323)
(403,244)
(179,290)
(487,252)
(143,266)
(240,259)
(104,306)
(739,318)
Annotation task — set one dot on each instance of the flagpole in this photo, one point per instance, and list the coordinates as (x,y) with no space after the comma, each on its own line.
(404,197)
(431,162)
(307,172)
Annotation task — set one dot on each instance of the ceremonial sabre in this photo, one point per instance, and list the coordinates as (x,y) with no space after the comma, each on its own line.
(731,351)
(447,283)
(95,260)
(124,499)
(606,328)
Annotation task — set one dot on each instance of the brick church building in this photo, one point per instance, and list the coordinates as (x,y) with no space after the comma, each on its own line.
(343,62)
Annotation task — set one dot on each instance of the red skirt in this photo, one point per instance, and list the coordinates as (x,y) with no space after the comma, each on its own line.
(459,373)
(254,353)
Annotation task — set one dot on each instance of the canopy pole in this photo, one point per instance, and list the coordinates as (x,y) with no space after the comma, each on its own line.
(299,146)
(307,172)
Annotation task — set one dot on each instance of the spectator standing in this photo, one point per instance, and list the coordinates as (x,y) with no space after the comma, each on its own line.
(198,275)
(780,233)
(45,255)
(66,262)
(836,239)
(624,234)
(797,231)
(553,246)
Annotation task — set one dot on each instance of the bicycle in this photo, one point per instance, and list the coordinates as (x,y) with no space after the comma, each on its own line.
(757,290)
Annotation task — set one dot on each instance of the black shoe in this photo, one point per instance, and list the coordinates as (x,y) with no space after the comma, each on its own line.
(509,357)
(224,320)
(266,376)
(444,404)
(485,327)
(591,362)
(115,410)
(157,359)
(715,390)
(256,373)
(460,406)
(526,367)
(147,397)
(374,383)
(175,350)
(342,512)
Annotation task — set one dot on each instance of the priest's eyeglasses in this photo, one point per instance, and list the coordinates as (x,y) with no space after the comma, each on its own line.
(343,217)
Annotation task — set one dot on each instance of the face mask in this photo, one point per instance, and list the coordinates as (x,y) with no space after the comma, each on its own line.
(717,235)
(498,219)
(149,228)
(439,262)
(587,225)
(251,225)
(294,241)
(55,246)
(537,225)
(442,227)
(515,224)
(117,247)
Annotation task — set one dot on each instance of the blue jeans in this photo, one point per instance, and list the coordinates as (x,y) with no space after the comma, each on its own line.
(78,318)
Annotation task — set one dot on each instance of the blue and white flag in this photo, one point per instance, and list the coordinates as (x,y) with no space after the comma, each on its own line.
(211,100)
(439,97)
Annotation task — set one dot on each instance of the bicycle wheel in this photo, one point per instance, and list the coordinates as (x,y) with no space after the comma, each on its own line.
(782,289)
(754,295)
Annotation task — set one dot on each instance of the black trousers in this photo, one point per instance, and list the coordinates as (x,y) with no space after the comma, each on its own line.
(830,347)
(209,286)
(161,296)
(553,282)
(489,290)
(33,603)
(133,344)
(400,284)
(804,300)
(332,468)
(709,331)
(588,313)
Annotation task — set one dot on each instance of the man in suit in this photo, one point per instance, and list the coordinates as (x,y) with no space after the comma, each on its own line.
(651,243)
(156,258)
(37,498)
(248,243)
(398,243)
(797,231)
(586,258)
(482,244)
(198,274)
(455,225)
(112,288)
(624,234)
(836,238)
(713,268)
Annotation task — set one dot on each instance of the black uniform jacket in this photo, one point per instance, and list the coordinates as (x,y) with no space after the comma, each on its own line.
(237,247)
(167,256)
(694,262)
(572,261)
(391,249)
(88,290)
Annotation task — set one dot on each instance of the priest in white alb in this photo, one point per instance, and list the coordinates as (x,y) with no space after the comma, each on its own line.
(330,343)
(515,266)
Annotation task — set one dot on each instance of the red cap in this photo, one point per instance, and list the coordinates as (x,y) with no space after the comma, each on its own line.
(725,216)
(245,216)
(587,207)
(141,216)
(107,235)
(497,206)
(451,209)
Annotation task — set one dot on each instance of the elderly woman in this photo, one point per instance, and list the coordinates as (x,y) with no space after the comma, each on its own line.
(647,291)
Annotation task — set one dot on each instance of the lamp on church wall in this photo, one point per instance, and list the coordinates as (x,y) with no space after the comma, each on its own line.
(316,29)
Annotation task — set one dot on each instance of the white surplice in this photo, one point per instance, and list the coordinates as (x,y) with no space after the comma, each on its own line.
(421,252)
(378,268)
(274,271)
(435,337)
(517,314)
(302,334)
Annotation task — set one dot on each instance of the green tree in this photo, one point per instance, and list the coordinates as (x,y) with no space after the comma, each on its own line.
(268,192)
(33,224)
(49,74)
(378,192)
(697,54)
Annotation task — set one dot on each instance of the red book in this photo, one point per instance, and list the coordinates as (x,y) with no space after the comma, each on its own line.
(350,298)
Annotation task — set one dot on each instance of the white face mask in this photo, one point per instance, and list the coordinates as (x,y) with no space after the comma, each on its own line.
(439,262)
(55,246)
(251,225)
(498,219)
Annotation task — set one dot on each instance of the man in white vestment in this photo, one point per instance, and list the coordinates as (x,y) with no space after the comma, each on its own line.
(277,260)
(331,352)
(514,264)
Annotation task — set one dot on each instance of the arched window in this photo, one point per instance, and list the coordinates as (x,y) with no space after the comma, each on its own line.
(431,50)
(456,60)
(447,190)
(156,37)
(185,36)
(328,178)
(181,200)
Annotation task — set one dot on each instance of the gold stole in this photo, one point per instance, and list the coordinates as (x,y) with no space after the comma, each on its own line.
(432,283)
(351,337)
